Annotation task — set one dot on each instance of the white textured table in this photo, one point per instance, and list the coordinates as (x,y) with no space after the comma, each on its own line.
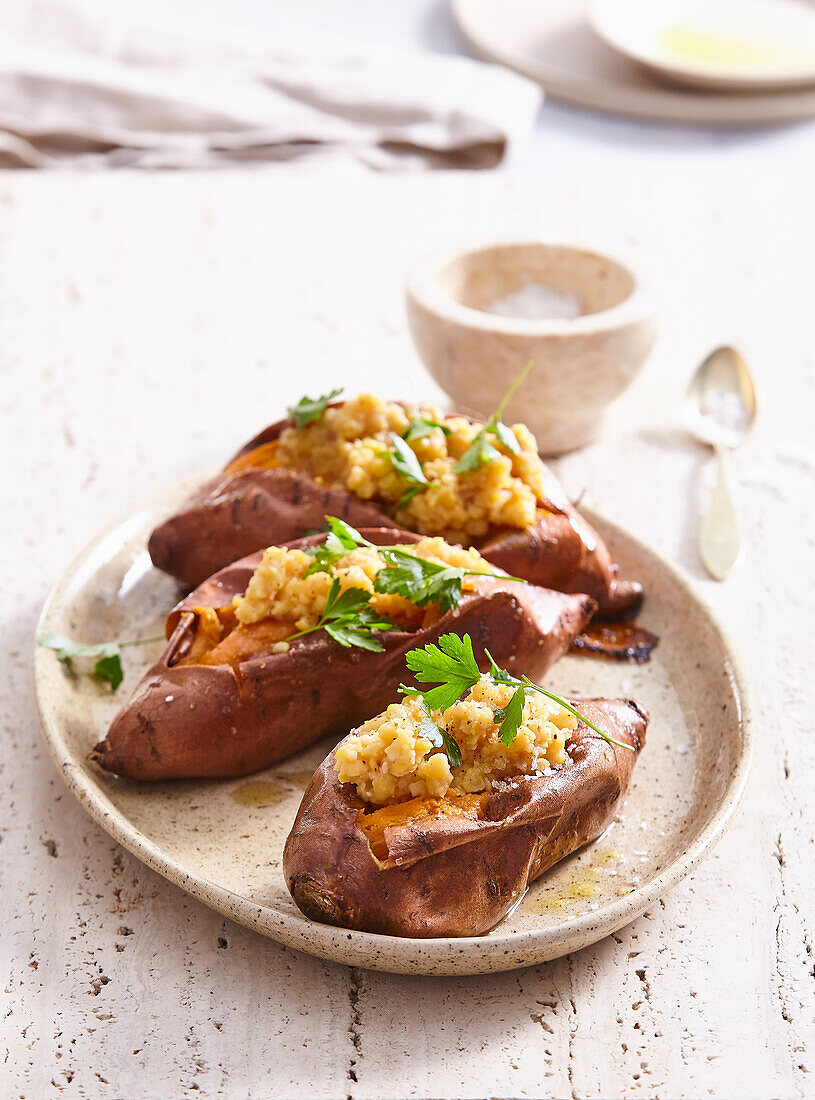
(147,325)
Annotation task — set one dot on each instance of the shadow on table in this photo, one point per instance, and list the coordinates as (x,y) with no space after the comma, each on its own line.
(692,497)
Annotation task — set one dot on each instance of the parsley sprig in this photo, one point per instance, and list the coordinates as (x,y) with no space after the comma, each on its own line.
(349,619)
(310,408)
(414,578)
(451,666)
(341,540)
(423,582)
(108,666)
(481,450)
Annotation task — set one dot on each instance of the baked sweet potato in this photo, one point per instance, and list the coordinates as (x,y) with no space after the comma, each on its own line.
(190,717)
(455,866)
(257,501)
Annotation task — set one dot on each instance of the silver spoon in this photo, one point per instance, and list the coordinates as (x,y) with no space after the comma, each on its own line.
(720,407)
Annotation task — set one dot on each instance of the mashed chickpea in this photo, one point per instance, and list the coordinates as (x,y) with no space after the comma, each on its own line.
(279,588)
(347,447)
(389,760)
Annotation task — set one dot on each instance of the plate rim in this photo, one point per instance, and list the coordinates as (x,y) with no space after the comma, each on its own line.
(660,103)
(431,956)
(697,76)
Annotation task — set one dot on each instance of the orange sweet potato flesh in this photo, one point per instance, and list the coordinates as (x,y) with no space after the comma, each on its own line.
(255,503)
(192,718)
(459,872)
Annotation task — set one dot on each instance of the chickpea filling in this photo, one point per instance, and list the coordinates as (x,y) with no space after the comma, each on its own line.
(280,600)
(347,447)
(392,764)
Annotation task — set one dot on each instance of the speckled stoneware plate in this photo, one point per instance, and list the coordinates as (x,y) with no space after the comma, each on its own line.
(223,841)
(552,42)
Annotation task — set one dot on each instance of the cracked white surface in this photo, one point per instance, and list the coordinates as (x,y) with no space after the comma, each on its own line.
(136,314)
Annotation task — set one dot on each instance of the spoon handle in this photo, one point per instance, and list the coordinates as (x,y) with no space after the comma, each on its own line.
(719,542)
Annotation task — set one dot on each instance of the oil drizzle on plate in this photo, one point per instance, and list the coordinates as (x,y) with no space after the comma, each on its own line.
(586,881)
(259,793)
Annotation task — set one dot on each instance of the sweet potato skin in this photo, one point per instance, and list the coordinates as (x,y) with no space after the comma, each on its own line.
(213,721)
(238,513)
(454,876)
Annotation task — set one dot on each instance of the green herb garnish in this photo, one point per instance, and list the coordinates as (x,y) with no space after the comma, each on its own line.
(481,450)
(308,408)
(107,668)
(452,667)
(415,579)
(420,426)
(349,619)
(437,735)
(404,461)
(501,676)
(342,540)
(423,582)
(408,496)
(511,716)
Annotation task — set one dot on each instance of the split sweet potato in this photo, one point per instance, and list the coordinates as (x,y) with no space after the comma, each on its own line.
(221,702)
(456,866)
(254,503)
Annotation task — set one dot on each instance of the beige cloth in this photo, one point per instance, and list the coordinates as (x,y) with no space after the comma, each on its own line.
(94,92)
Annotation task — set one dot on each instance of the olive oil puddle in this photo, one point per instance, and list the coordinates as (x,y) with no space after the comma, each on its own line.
(585,881)
(259,794)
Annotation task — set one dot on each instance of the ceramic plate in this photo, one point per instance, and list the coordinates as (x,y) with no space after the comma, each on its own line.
(222,840)
(552,42)
(729,45)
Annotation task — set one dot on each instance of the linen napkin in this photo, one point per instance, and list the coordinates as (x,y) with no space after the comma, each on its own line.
(85,90)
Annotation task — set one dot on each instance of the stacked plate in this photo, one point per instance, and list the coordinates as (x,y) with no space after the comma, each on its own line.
(721,62)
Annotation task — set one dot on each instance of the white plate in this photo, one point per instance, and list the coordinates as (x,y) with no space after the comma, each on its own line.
(730,45)
(552,42)
(222,841)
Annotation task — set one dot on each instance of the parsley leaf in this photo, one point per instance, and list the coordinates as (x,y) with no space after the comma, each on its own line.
(422,581)
(327,554)
(108,666)
(478,453)
(506,437)
(339,604)
(404,461)
(109,669)
(443,586)
(310,408)
(405,576)
(342,539)
(66,649)
(408,496)
(511,716)
(451,665)
(437,735)
(420,426)
(349,619)
(481,450)
(357,634)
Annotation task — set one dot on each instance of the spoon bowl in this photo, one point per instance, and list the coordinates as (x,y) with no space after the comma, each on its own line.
(720,405)
(720,408)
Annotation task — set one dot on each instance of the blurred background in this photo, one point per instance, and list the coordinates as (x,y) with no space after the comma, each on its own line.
(388,81)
